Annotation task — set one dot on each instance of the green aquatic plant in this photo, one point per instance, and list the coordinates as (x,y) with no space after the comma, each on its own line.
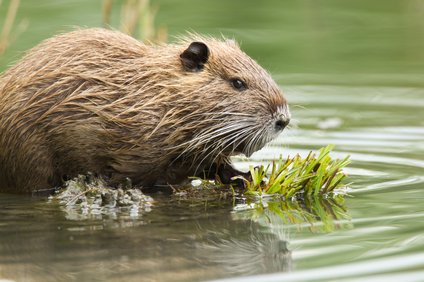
(309,176)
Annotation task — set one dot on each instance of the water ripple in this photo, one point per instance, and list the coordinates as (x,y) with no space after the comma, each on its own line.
(366,267)
(416,179)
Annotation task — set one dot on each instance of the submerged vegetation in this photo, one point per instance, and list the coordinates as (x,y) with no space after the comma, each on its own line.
(295,176)
(87,196)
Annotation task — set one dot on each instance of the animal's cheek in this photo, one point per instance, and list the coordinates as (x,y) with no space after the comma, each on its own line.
(255,103)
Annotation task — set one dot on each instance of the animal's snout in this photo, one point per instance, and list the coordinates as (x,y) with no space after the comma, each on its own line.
(281,123)
(282,118)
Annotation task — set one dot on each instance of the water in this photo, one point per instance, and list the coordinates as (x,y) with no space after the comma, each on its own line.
(352,72)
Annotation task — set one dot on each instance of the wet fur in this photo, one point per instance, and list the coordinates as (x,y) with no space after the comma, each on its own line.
(100,101)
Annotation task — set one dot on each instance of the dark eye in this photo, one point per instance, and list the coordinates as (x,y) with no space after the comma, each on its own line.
(238,84)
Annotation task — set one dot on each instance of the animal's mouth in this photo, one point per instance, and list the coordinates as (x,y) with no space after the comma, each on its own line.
(260,137)
(248,147)
(239,149)
(235,149)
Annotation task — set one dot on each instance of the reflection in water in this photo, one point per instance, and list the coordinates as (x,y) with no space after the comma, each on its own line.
(319,214)
(254,240)
(212,238)
(245,249)
(258,239)
(163,244)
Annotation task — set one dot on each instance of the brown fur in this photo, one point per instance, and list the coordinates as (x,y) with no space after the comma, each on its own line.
(100,101)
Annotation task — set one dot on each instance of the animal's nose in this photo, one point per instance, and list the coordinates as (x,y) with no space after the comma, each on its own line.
(281,123)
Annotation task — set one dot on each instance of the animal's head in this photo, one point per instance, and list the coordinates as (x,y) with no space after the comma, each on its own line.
(235,105)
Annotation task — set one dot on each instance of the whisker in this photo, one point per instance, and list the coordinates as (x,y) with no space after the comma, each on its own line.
(212,134)
(250,144)
(217,151)
(205,136)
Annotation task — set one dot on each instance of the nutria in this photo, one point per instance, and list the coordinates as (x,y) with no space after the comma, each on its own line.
(99,101)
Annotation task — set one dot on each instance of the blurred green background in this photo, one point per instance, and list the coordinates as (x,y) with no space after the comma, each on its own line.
(287,37)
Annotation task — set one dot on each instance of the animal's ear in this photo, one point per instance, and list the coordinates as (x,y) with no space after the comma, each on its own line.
(195,56)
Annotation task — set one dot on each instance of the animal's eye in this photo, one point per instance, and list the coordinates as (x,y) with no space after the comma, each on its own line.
(238,84)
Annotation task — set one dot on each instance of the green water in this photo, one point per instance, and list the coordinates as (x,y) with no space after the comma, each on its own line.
(353,74)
